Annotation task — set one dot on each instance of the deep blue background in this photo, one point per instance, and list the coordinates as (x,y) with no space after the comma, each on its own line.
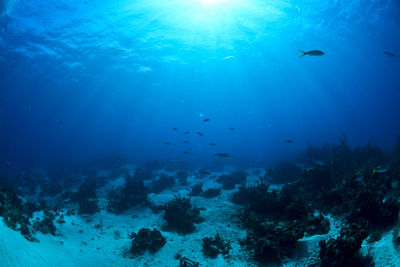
(81,80)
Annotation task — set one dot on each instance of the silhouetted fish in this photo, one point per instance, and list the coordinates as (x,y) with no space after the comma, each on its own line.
(199,133)
(223,155)
(186,142)
(170,162)
(186,152)
(389,54)
(207,119)
(212,144)
(175,129)
(289,141)
(204,172)
(230,128)
(167,143)
(187,132)
(312,53)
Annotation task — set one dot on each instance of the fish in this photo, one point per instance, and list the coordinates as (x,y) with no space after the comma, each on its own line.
(167,143)
(379,170)
(223,155)
(389,54)
(186,152)
(230,128)
(60,122)
(206,119)
(199,133)
(312,53)
(170,162)
(175,129)
(186,142)
(289,141)
(187,132)
(212,144)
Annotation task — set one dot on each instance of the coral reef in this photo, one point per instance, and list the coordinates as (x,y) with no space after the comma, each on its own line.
(271,242)
(343,251)
(146,240)
(181,216)
(229,181)
(46,225)
(214,246)
(15,214)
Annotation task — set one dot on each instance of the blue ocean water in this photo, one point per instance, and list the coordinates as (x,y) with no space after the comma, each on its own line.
(85,80)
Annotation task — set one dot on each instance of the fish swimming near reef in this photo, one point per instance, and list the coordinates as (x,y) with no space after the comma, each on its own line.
(212,144)
(230,128)
(199,133)
(389,54)
(175,129)
(207,119)
(167,143)
(379,170)
(186,142)
(186,152)
(289,141)
(312,53)
(223,155)
(187,132)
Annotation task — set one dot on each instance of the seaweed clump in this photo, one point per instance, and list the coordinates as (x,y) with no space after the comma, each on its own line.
(181,216)
(214,246)
(147,240)
(229,181)
(344,250)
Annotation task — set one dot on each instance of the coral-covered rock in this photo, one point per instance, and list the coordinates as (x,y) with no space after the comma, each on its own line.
(214,246)
(273,241)
(197,190)
(211,192)
(343,251)
(163,182)
(317,225)
(147,240)
(133,193)
(229,181)
(182,177)
(181,216)
(87,198)
(46,225)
